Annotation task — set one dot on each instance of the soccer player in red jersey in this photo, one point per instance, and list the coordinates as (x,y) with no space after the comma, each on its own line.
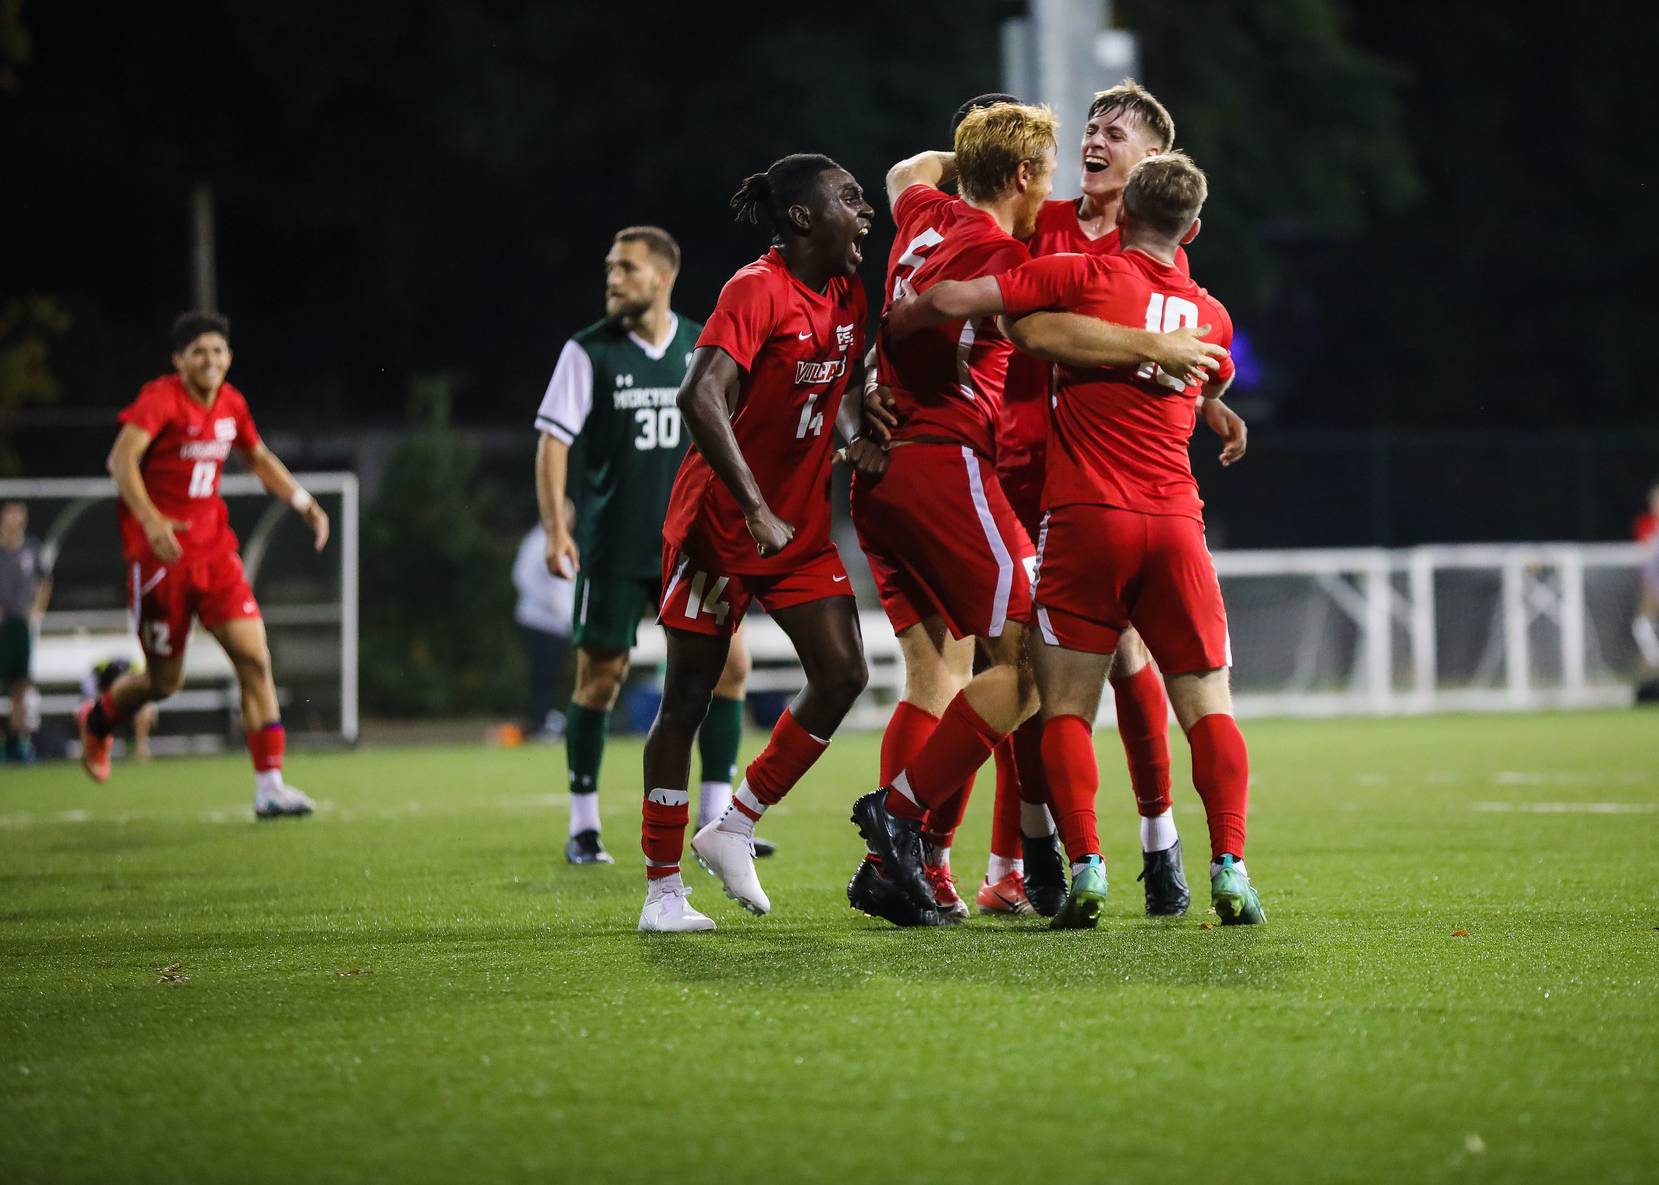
(1122,538)
(182,556)
(1126,124)
(951,560)
(749,519)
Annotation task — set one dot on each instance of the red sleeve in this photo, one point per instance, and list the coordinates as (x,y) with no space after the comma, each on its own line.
(150,412)
(1221,333)
(1054,281)
(247,436)
(917,198)
(743,318)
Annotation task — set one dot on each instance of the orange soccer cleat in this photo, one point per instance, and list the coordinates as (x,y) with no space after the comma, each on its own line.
(94,750)
(1007,896)
(951,906)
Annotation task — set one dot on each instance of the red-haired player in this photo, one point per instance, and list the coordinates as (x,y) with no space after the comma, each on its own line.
(749,519)
(182,555)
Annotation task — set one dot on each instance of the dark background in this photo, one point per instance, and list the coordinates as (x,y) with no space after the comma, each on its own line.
(1435,223)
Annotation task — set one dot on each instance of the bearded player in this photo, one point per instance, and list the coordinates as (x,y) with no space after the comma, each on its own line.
(612,393)
(1123,529)
(951,561)
(182,556)
(749,519)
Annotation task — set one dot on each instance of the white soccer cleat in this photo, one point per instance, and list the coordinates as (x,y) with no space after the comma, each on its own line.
(668,912)
(731,857)
(282,802)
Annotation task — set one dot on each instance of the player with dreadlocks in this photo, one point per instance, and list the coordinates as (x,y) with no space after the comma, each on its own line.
(749,518)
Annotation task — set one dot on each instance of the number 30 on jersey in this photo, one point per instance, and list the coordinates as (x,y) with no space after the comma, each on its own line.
(658,427)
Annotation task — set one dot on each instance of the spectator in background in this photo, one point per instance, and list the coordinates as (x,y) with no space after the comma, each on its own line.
(100,679)
(1646,625)
(543,614)
(25,588)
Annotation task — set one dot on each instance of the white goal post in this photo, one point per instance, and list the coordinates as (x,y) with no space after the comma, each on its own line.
(309,601)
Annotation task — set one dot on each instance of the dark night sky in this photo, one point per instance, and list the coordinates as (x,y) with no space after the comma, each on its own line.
(1419,209)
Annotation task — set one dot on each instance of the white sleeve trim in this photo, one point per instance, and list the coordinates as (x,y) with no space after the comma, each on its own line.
(569,398)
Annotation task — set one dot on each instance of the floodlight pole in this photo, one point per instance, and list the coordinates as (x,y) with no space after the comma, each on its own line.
(204,284)
(1060,53)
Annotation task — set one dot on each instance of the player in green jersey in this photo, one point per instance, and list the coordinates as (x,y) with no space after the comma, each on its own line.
(611,402)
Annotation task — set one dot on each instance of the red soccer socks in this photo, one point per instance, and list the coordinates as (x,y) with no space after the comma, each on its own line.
(907,731)
(662,831)
(790,752)
(266,746)
(1005,816)
(960,743)
(1143,726)
(1221,774)
(1073,779)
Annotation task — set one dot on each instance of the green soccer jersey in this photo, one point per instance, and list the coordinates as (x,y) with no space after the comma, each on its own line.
(612,397)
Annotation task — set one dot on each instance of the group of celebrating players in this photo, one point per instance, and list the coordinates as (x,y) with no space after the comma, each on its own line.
(1021,489)
(1040,368)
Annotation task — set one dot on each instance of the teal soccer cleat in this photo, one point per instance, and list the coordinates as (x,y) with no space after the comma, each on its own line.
(1233,896)
(1081,908)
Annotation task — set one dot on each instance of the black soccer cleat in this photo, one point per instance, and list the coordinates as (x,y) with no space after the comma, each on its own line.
(897,843)
(763,848)
(584,848)
(871,893)
(1167,895)
(1045,873)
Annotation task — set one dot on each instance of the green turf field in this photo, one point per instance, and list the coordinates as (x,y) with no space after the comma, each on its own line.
(413,986)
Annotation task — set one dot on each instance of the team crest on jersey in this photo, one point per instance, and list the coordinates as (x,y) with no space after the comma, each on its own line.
(844,337)
(224,429)
(810,374)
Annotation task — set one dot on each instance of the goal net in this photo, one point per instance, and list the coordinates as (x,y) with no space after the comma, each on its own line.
(308,599)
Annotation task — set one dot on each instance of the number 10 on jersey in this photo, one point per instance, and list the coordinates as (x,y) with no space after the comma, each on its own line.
(1165,314)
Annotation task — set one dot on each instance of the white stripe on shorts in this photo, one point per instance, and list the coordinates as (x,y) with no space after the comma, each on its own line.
(1044,624)
(999,549)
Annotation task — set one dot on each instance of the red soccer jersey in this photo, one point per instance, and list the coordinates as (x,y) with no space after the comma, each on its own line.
(947,380)
(1022,433)
(188,447)
(1120,436)
(797,348)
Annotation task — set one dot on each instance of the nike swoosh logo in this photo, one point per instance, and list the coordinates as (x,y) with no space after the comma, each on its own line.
(803,336)
(838,579)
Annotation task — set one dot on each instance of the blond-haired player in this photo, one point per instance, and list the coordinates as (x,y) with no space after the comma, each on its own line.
(952,562)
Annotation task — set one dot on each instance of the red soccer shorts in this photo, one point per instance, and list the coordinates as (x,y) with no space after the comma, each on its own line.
(1100,569)
(942,539)
(698,598)
(1023,484)
(165,597)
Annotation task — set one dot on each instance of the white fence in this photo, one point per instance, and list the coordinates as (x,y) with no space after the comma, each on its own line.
(1484,627)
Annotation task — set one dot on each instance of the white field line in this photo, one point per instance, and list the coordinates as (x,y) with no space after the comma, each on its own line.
(1568,808)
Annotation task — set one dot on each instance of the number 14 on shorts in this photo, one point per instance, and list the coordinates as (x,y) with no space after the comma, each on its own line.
(710,600)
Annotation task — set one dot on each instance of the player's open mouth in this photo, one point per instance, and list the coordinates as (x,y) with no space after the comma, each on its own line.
(857,249)
(1095,164)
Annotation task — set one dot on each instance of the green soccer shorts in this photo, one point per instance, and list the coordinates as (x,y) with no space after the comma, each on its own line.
(609,608)
(16,651)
